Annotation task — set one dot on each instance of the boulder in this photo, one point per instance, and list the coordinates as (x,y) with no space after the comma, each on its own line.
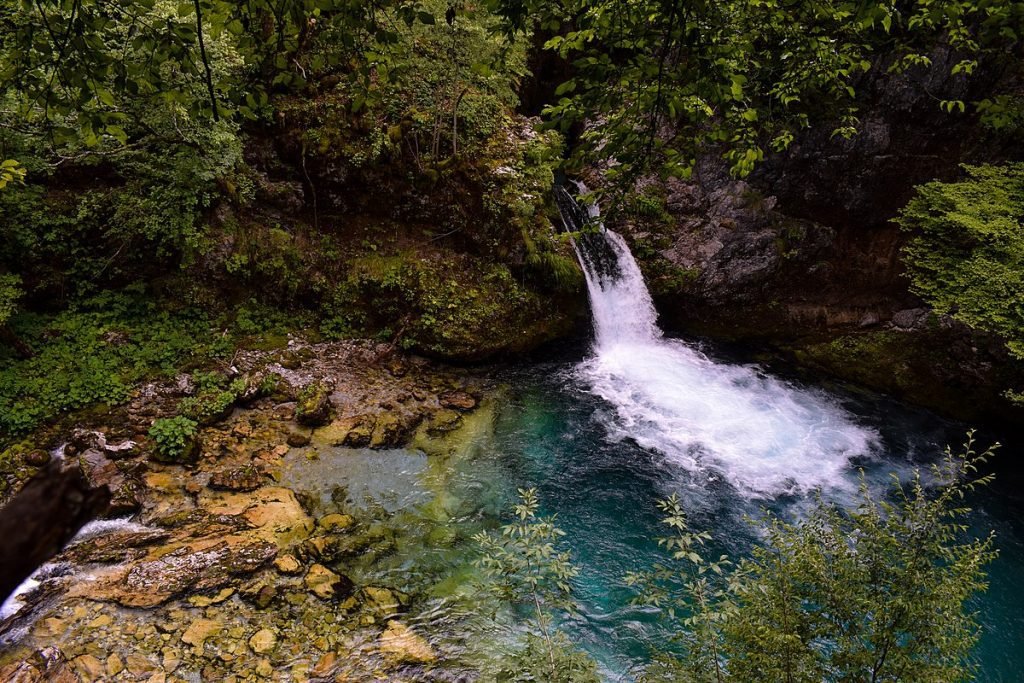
(457,400)
(314,405)
(263,641)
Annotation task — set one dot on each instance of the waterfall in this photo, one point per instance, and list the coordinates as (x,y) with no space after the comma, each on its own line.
(720,422)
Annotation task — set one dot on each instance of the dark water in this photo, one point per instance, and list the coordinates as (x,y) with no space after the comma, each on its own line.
(552,434)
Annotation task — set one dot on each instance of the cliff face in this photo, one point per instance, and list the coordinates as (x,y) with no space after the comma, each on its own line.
(803,256)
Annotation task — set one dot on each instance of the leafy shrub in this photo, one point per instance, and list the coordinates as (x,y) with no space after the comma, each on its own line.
(878,592)
(95,353)
(966,256)
(175,438)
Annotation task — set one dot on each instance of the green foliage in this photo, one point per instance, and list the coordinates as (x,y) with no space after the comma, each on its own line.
(10,292)
(878,592)
(10,172)
(966,257)
(214,400)
(667,80)
(94,353)
(175,438)
(525,568)
(449,305)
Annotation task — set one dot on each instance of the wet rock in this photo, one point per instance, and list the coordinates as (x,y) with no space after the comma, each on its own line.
(298,439)
(207,600)
(401,645)
(89,667)
(37,458)
(457,400)
(263,641)
(336,522)
(153,582)
(383,600)
(443,421)
(314,405)
(114,665)
(199,631)
(288,565)
(140,666)
(119,478)
(260,593)
(351,432)
(327,585)
(392,430)
(246,478)
(910,318)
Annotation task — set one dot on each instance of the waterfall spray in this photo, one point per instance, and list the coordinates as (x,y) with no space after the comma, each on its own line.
(763,436)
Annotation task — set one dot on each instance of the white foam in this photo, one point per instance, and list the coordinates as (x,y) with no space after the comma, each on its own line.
(764,436)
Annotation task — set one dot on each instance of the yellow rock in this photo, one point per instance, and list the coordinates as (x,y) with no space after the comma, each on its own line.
(100,621)
(89,668)
(263,641)
(114,665)
(402,646)
(199,630)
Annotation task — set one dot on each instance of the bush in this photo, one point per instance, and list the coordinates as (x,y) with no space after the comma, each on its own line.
(966,257)
(175,439)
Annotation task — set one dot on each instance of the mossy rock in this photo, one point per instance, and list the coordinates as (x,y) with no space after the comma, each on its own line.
(314,405)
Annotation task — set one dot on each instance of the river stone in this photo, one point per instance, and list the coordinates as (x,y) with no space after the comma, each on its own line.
(199,631)
(325,584)
(89,667)
(37,458)
(314,406)
(401,645)
(297,439)
(263,641)
(288,565)
(246,478)
(114,665)
(336,522)
(443,421)
(457,400)
(392,430)
(153,582)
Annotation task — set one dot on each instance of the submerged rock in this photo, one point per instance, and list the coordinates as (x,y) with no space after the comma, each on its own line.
(263,641)
(443,421)
(401,645)
(246,478)
(325,584)
(352,432)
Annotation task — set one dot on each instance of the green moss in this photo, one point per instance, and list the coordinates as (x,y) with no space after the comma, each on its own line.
(448,305)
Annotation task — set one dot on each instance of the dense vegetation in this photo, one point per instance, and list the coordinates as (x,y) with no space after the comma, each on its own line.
(183,178)
(967,254)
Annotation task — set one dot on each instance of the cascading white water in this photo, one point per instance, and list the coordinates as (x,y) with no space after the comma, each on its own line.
(762,435)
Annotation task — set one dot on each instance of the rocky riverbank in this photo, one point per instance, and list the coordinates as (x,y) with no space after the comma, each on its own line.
(248,565)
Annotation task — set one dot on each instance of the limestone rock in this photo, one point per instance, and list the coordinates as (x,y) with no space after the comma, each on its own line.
(263,641)
(402,645)
(199,631)
(351,432)
(288,565)
(457,400)
(325,584)
(314,406)
(444,421)
(336,522)
(152,582)
(89,667)
(246,478)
